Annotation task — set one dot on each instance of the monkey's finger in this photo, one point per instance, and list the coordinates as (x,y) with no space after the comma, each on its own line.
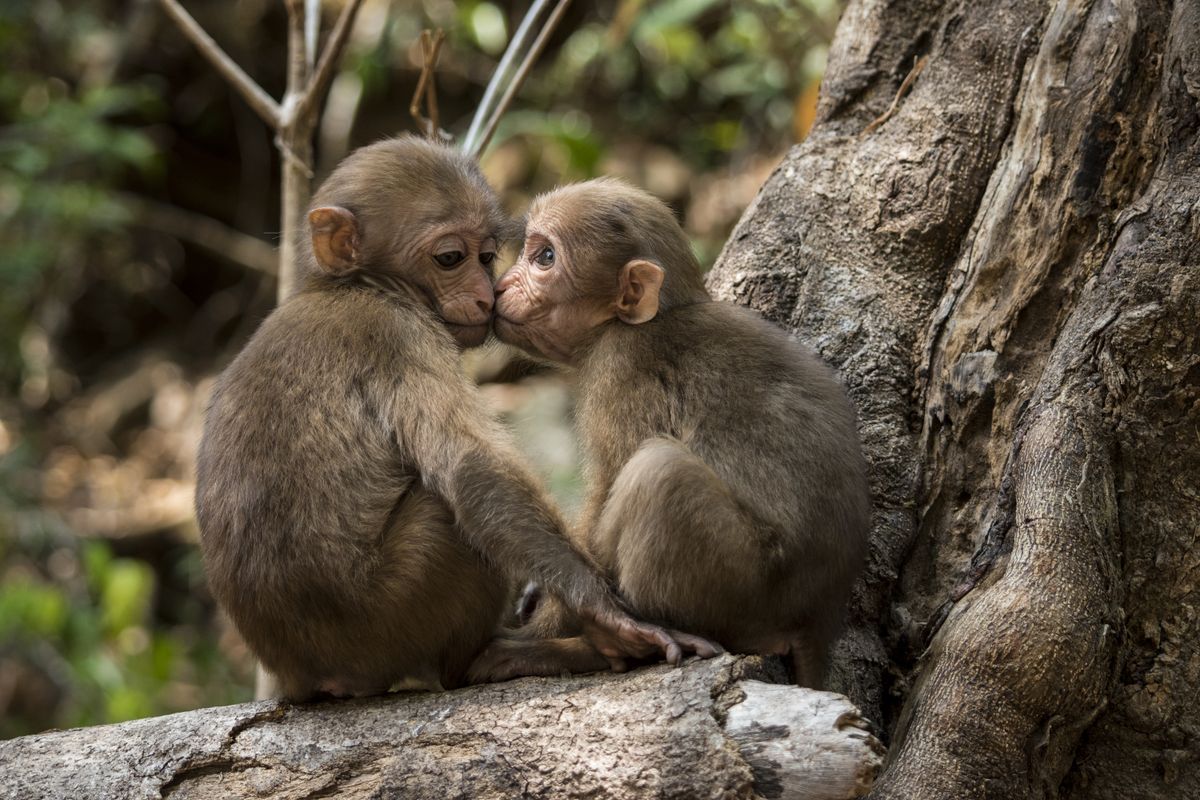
(697,644)
(660,639)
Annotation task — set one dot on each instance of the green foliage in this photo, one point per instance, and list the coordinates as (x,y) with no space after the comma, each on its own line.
(80,640)
(62,150)
(95,640)
(80,619)
(704,78)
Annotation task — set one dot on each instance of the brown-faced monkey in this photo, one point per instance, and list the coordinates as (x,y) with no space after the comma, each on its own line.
(727,488)
(360,512)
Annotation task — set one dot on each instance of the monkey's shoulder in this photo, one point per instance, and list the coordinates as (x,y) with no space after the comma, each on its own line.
(338,329)
(327,364)
(734,341)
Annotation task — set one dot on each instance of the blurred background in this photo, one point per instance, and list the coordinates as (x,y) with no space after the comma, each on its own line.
(139,205)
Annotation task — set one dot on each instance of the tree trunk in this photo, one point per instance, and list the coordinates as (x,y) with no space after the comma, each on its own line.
(1007,274)
(712,729)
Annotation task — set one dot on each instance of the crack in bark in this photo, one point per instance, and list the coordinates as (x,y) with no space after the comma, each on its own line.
(222,761)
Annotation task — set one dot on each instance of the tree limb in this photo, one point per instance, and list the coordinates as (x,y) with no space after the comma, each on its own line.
(523,71)
(262,103)
(716,728)
(297,72)
(431,46)
(204,232)
(517,44)
(312,30)
(323,74)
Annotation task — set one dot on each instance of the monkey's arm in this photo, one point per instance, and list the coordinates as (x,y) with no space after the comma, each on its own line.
(463,456)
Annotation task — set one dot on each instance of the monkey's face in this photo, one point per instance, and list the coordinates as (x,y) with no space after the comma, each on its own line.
(452,265)
(413,217)
(539,303)
(576,273)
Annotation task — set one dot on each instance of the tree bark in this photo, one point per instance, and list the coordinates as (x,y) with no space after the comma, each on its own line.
(712,729)
(1007,273)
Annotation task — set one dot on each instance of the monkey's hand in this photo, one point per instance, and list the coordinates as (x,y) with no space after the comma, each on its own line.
(619,636)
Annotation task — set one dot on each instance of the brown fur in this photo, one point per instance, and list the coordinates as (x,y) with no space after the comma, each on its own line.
(361,513)
(727,488)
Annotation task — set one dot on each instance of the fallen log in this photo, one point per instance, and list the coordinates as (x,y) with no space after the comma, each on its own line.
(725,728)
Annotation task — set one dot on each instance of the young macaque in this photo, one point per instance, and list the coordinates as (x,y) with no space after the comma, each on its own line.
(361,513)
(727,488)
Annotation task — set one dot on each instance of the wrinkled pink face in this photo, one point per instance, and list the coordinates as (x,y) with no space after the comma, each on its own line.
(456,273)
(539,305)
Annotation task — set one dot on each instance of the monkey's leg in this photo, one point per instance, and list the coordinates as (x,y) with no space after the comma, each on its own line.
(682,549)
(446,603)
(265,684)
(419,617)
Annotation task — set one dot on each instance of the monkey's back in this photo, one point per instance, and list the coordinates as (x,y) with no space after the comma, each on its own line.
(298,469)
(757,406)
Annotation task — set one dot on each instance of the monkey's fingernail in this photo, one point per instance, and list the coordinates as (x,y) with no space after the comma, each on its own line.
(674,654)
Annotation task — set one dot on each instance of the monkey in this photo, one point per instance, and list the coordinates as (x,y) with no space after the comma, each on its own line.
(727,491)
(361,514)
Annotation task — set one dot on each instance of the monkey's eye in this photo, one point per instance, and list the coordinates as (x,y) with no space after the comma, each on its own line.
(449,259)
(545,257)
(487,258)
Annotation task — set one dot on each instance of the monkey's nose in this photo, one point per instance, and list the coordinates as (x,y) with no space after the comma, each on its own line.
(485,306)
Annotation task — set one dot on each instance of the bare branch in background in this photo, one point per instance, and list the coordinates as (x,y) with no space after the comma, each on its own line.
(262,103)
(202,231)
(295,119)
(323,75)
(312,29)
(518,43)
(431,47)
(523,71)
(297,73)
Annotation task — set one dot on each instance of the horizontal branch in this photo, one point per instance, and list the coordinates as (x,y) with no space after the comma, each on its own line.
(262,103)
(204,232)
(713,728)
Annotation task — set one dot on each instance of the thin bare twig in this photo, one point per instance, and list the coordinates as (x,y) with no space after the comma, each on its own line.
(312,29)
(254,95)
(323,75)
(205,232)
(918,65)
(431,46)
(518,44)
(292,158)
(297,73)
(431,103)
(523,71)
(414,107)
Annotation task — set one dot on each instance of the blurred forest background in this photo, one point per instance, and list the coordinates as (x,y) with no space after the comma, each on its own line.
(139,200)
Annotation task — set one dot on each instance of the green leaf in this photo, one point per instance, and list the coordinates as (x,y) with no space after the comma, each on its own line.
(128,590)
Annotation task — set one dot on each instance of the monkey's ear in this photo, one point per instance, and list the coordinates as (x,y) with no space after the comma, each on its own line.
(638,300)
(335,238)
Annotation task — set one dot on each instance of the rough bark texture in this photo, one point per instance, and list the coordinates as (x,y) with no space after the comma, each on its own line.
(712,729)
(1007,274)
